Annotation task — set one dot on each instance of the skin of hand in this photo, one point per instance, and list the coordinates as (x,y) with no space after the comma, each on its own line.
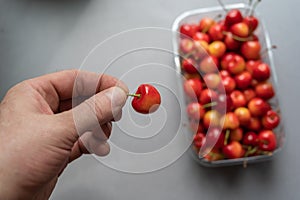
(41,132)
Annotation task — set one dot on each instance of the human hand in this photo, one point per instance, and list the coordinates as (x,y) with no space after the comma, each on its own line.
(41,133)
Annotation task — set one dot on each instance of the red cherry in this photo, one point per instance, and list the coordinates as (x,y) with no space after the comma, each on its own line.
(211,118)
(209,64)
(199,140)
(240,29)
(148,99)
(264,90)
(215,137)
(238,99)
(188,30)
(230,121)
(186,45)
(228,83)
(243,114)
(261,72)
(250,64)
(234,63)
(193,87)
(236,134)
(251,50)
(233,150)
(205,24)
(250,138)
(216,32)
(212,80)
(267,140)
(189,66)
(198,36)
(195,111)
(254,124)
(207,96)
(231,43)
(252,23)
(270,120)
(233,16)
(243,80)
(249,94)
(258,107)
(217,48)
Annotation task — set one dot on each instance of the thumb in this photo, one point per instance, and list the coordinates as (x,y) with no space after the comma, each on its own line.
(95,111)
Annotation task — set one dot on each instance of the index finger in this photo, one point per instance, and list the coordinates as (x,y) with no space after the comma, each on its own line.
(69,84)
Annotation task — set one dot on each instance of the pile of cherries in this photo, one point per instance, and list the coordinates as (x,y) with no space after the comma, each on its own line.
(222,65)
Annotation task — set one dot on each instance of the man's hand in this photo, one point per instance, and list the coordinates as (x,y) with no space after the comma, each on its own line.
(40,132)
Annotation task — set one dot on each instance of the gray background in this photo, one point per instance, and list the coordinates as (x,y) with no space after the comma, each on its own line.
(42,36)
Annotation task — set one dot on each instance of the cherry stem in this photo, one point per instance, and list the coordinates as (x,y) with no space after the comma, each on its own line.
(134,95)
(227,134)
(222,5)
(240,39)
(268,49)
(250,151)
(253,7)
(211,104)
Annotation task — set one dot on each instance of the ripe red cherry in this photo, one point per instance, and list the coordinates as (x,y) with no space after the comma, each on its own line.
(147,99)
(205,24)
(236,134)
(198,36)
(250,138)
(258,107)
(238,99)
(233,150)
(224,103)
(264,90)
(270,120)
(212,80)
(251,50)
(252,23)
(254,124)
(228,83)
(189,66)
(188,30)
(261,72)
(186,45)
(207,96)
(209,64)
(193,87)
(217,48)
(195,111)
(243,80)
(233,63)
(215,137)
(232,17)
(216,32)
(224,73)
(250,64)
(231,43)
(243,114)
(199,140)
(211,118)
(249,94)
(230,121)
(240,29)
(267,140)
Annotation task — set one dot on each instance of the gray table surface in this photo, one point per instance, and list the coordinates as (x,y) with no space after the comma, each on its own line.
(42,36)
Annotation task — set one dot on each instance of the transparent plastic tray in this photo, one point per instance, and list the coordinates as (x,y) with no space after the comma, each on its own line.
(194,16)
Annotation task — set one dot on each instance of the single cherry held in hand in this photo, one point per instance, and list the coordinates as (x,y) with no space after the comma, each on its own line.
(146,99)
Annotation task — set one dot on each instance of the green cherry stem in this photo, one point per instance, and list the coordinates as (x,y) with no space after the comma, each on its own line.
(211,104)
(227,134)
(240,39)
(134,95)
